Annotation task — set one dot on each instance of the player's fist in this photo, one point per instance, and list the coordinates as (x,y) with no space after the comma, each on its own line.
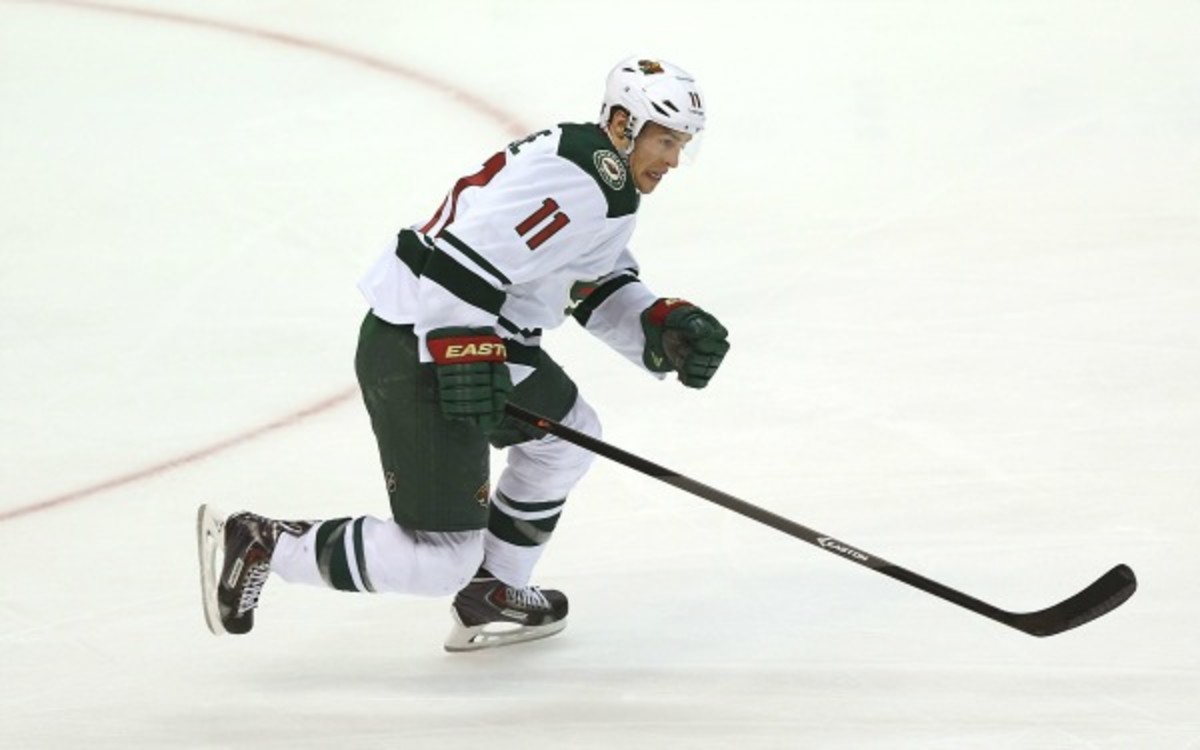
(682,337)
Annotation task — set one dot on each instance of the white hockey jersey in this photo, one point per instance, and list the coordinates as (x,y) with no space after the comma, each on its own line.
(539,233)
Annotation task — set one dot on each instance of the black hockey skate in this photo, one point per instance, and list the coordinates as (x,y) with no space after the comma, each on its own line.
(238,549)
(488,613)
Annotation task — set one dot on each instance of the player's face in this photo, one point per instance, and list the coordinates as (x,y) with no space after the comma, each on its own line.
(656,151)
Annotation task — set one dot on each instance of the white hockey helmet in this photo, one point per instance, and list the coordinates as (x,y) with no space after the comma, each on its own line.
(653,91)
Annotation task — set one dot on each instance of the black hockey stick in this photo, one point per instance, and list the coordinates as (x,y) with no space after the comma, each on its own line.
(1106,594)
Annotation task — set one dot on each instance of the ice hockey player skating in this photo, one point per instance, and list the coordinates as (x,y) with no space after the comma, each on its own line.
(538,233)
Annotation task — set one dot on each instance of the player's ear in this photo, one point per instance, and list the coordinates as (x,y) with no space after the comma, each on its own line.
(618,122)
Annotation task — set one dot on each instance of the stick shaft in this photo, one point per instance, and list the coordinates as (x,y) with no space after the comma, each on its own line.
(1105,594)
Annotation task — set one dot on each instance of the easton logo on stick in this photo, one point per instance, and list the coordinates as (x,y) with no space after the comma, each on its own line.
(834,545)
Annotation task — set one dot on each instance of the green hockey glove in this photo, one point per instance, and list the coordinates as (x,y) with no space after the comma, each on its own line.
(684,338)
(473,379)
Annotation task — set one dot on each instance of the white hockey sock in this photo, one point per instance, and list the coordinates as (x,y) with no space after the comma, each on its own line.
(373,555)
(294,559)
(510,563)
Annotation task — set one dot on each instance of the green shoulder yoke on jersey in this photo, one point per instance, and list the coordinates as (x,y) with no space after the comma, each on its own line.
(588,147)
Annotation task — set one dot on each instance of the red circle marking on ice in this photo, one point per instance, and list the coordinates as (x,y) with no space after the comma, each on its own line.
(511,125)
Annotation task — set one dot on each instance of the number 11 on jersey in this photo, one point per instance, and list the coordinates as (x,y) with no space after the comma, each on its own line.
(538,219)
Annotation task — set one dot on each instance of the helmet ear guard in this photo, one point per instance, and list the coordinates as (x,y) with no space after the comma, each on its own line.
(653,91)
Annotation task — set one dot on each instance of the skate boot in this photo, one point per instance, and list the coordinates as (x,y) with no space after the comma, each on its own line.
(488,613)
(238,549)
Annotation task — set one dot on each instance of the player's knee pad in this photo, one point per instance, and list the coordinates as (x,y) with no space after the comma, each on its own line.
(426,563)
(447,560)
(547,469)
(583,418)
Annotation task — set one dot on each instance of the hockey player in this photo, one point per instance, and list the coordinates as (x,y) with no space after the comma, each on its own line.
(458,305)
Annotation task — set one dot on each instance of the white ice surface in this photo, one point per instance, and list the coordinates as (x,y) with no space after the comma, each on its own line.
(958,248)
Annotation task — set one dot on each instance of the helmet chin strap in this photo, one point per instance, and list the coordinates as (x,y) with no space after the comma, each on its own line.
(627,149)
(632,127)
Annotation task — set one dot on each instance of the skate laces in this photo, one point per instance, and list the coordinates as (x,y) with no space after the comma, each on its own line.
(252,587)
(262,535)
(529,598)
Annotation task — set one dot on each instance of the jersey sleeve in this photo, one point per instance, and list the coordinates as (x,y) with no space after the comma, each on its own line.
(611,307)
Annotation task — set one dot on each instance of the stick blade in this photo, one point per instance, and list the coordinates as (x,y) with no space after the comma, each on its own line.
(1108,592)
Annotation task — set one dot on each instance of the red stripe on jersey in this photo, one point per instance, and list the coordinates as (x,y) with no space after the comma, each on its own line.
(479,179)
(436,215)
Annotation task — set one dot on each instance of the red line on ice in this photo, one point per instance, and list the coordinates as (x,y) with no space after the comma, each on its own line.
(511,125)
(184,459)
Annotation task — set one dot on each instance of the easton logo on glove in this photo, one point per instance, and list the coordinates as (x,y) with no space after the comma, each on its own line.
(472,376)
(465,349)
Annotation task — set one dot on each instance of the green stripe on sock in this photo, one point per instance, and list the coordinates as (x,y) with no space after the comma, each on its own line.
(532,507)
(360,555)
(521,532)
(331,555)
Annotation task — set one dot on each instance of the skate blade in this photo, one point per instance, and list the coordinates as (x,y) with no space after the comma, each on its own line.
(210,543)
(494,635)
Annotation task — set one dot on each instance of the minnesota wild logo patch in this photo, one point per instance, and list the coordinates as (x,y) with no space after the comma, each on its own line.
(483,494)
(611,168)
